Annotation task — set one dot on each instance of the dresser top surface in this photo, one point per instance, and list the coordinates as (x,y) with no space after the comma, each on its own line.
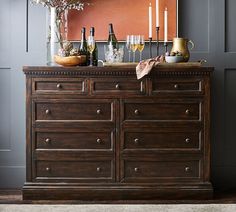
(116,70)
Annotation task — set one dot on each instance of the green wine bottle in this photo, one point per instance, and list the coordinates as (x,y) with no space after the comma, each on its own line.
(83,46)
(95,52)
(112,41)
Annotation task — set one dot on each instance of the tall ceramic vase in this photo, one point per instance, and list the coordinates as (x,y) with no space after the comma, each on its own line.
(57,28)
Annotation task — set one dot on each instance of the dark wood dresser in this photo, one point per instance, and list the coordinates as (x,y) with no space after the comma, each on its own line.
(99,134)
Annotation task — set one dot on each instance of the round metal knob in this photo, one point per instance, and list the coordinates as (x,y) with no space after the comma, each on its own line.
(187,112)
(48,169)
(136,140)
(47,111)
(187,169)
(47,140)
(136,169)
(187,140)
(59,86)
(176,86)
(98,169)
(99,112)
(117,86)
(136,112)
(99,141)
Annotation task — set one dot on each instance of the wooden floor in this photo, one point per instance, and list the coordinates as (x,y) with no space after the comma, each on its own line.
(220,197)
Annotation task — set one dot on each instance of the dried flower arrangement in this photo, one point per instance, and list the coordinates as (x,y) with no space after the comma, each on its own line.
(58,9)
(61,5)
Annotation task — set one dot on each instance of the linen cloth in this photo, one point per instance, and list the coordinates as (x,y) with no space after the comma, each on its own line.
(145,66)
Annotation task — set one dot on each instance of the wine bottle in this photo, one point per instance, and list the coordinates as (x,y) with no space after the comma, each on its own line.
(83,46)
(95,51)
(112,41)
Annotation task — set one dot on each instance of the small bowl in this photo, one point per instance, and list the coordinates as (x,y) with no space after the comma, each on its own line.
(70,61)
(174,59)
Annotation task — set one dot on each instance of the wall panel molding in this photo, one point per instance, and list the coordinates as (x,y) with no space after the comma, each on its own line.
(194,19)
(5,35)
(27,27)
(5,93)
(229,116)
(230,29)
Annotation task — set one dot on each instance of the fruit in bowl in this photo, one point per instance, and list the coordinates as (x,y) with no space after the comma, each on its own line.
(69,56)
(174,57)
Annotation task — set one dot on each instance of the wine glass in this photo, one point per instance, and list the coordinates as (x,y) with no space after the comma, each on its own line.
(91,47)
(141,45)
(134,45)
(128,46)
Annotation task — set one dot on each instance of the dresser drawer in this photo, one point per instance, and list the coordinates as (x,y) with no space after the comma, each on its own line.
(76,110)
(146,171)
(85,141)
(178,86)
(60,86)
(118,86)
(77,170)
(161,140)
(158,111)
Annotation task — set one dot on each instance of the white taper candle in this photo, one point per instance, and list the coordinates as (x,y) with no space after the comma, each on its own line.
(157,14)
(150,20)
(166,25)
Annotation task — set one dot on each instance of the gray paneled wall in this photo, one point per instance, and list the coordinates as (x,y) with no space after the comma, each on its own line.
(13,56)
(209,23)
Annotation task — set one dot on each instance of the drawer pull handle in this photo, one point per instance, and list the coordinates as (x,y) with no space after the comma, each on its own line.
(59,86)
(98,169)
(99,141)
(187,140)
(47,140)
(99,112)
(48,169)
(136,112)
(117,86)
(136,141)
(187,169)
(136,169)
(176,86)
(47,111)
(187,112)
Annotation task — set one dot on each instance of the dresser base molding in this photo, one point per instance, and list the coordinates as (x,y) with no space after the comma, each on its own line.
(117,193)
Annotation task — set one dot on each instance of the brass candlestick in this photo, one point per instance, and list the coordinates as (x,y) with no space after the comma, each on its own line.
(166,47)
(157,31)
(150,47)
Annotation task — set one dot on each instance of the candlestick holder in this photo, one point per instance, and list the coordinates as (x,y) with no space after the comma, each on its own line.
(157,31)
(150,47)
(166,47)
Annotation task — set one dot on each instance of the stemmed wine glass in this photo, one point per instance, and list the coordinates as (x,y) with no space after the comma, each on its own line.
(134,45)
(91,47)
(141,45)
(128,46)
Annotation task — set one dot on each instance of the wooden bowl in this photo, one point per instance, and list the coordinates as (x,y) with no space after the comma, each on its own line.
(70,61)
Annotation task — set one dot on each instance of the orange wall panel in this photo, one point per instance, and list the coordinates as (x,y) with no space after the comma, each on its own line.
(127,16)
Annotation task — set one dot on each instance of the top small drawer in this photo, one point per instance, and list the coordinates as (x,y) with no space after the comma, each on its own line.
(59,85)
(178,86)
(118,86)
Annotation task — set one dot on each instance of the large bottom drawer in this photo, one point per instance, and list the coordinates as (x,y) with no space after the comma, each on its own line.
(161,170)
(82,170)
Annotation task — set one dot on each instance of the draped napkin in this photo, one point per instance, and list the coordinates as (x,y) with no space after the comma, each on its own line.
(145,66)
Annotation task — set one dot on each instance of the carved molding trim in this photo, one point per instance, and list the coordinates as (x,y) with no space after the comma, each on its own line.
(182,73)
(80,73)
(115,73)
